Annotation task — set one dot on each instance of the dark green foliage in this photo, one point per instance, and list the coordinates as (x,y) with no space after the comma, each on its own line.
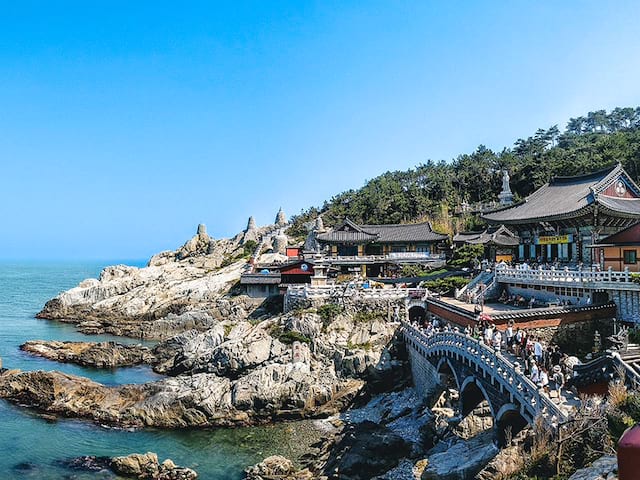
(631,406)
(328,312)
(465,255)
(289,337)
(446,285)
(413,271)
(249,247)
(431,189)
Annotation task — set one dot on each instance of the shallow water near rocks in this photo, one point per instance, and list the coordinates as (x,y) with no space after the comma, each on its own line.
(34,446)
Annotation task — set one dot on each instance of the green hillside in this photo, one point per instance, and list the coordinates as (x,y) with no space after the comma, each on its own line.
(432,190)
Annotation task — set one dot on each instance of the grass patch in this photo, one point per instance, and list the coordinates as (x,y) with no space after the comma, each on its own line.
(289,336)
(360,346)
(328,312)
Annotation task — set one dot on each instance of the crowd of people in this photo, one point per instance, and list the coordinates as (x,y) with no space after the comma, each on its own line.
(541,362)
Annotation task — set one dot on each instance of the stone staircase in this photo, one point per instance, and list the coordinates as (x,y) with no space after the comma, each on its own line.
(471,289)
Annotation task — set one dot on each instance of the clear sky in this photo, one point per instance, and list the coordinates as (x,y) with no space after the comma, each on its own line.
(125,124)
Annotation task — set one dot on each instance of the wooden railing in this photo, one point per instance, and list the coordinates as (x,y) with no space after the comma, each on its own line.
(489,363)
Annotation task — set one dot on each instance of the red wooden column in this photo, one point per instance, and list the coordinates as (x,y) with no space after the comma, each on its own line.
(629,454)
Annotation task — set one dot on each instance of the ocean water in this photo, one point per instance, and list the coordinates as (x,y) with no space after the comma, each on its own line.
(35,446)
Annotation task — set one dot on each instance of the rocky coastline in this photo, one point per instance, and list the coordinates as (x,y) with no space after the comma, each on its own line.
(230,360)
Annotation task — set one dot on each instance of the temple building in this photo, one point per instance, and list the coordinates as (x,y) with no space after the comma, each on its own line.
(619,251)
(564,218)
(377,250)
(500,243)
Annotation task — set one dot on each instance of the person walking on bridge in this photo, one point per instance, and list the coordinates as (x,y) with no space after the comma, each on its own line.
(537,351)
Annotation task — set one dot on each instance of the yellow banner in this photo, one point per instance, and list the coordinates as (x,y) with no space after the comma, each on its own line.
(553,239)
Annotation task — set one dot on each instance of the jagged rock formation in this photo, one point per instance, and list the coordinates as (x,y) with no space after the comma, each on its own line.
(124,298)
(199,400)
(280,243)
(91,354)
(281,219)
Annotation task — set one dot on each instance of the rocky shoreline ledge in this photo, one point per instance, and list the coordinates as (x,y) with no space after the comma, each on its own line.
(231,360)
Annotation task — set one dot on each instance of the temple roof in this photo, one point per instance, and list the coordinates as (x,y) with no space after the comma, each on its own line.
(628,236)
(570,197)
(501,236)
(350,232)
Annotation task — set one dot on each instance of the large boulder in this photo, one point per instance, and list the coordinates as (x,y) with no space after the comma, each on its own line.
(274,467)
(364,451)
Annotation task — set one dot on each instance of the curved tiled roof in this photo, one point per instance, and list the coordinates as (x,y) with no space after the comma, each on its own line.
(349,232)
(565,197)
(499,236)
(629,206)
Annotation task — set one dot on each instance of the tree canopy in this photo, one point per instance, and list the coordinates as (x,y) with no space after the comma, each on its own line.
(432,189)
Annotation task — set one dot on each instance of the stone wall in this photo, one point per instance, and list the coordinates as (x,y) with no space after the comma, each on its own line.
(576,337)
(628,303)
(393,309)
(426,378)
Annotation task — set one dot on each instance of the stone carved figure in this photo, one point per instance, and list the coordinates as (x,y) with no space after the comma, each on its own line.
(620,340)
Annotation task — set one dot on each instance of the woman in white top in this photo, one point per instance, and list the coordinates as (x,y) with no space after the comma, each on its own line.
(534,373)
(543,380)
(497,340)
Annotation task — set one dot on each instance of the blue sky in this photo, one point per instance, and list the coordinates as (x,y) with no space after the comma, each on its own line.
(125,124)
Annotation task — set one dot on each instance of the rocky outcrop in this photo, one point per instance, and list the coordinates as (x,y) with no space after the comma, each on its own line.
(91,354)
(605,468)
(141,466)
(199,400)
(125,297)
(460,460)
(364,451)
(279,467)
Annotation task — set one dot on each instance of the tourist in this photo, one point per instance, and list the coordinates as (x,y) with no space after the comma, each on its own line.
(556,356)
(509,336)
(543,380)
(534,371)
(537,351)
(488,335)
(517,342)
(497,340)
(558,380)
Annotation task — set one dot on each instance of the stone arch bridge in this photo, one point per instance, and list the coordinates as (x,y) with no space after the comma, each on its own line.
(478,373)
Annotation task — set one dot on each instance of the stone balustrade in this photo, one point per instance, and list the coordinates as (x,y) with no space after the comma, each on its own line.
(568,278)
(332,291)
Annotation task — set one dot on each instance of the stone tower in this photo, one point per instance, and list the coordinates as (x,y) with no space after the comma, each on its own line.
(251,224)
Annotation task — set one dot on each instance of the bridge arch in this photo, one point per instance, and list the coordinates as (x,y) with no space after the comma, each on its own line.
(472,394)
(509,422)
(444,367)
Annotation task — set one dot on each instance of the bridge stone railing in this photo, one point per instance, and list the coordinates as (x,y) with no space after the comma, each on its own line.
(490,363)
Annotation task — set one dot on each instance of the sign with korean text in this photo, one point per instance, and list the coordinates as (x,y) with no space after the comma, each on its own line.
(553,239)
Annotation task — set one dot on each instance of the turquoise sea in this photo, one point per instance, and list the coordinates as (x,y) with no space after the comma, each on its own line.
(33,446)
